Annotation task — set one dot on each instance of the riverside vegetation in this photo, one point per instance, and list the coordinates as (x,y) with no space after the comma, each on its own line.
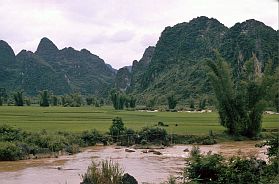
(202,168)
(173,73)
(18,144)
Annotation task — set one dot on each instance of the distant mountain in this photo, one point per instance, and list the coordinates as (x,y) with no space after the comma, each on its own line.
(177,64)
(123,79)
(8,68)
(60,71)
(128,77)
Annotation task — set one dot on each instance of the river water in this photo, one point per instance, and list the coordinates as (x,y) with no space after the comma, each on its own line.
(145,167)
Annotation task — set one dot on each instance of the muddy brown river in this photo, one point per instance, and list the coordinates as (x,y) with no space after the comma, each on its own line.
(145,167)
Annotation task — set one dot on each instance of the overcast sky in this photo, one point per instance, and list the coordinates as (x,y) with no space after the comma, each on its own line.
(116,30)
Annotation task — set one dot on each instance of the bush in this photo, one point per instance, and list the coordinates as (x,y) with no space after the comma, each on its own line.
(106,172)
(72,149)
(172,102)
(214,169)
(117,128)
(44,98)
(18,98)
(10,151)
(205,169)
(154,135)
(8,133)
(128,137)
(91,138)
(241,171)
(72,100)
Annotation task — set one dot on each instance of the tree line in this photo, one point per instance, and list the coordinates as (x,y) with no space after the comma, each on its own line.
(46,98)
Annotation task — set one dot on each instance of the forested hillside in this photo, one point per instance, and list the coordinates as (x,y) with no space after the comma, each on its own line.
(177,65)
(60,71)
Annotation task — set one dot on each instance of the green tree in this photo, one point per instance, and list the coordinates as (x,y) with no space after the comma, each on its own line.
(54,100)
(1,101)
(276,102)
(89,100)
(172,102)
(192,104)
(117,128)
(72,100)
(118,99)
(102,102)
(18,97)
(133,102)
(202,104)
(28,101)
(3,95)
(44,98)
(151,102)
(240,103)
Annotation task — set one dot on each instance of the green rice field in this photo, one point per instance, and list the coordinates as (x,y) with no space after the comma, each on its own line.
(77,119)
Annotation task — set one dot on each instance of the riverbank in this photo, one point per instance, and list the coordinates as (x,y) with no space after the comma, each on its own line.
(145,167)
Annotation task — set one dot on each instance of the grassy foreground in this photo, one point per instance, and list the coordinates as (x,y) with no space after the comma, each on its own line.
(84,118)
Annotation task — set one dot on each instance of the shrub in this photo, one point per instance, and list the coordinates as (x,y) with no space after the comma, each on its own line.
(205,169)
(213,169)
(105,172)
(241,171)
(172,102)
(91,138)
(117,128)
(129,137)
(10,151)
(8,133)
(72,149)
(44,98)
(18,98)
(154,135)
(72,100)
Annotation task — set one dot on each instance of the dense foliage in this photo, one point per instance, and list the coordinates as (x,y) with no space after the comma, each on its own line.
(172,102)
(18,144)
(60,71)
(121,100)
(44,98)
(18,98)
(72,100)
(240,101)
(107,172)
(178,61)
(215,169)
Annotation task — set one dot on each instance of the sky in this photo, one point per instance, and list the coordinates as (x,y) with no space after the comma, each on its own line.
(118,31)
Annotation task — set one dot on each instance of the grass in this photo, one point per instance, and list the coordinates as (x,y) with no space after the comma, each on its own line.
(77,119)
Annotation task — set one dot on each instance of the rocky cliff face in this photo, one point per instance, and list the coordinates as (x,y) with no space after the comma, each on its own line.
(139,68)
(123,79)
(177,64)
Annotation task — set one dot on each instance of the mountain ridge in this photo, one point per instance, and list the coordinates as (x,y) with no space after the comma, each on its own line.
(60,71)
(176,65)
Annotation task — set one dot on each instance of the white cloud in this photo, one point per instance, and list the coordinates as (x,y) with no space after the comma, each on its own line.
(116,30)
